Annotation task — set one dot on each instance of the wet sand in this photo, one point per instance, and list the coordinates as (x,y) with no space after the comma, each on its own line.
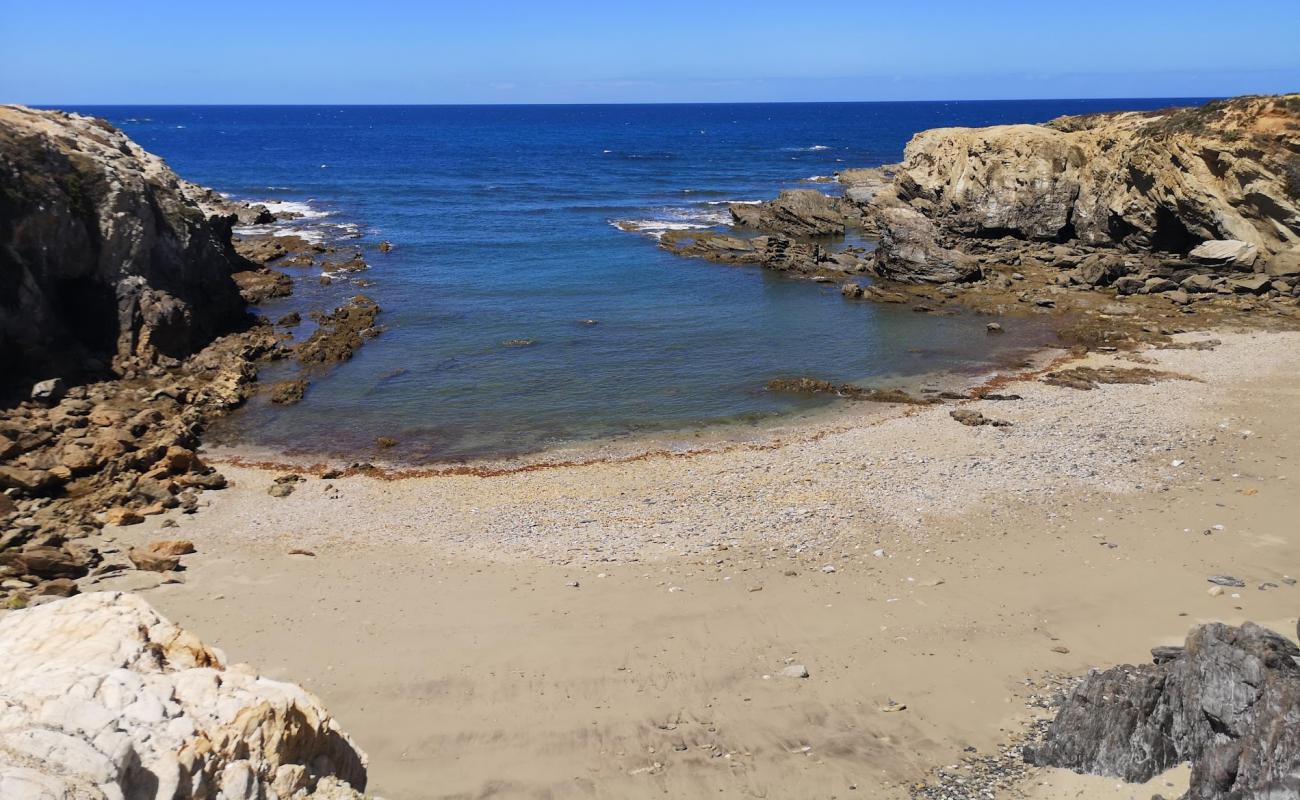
(439,619)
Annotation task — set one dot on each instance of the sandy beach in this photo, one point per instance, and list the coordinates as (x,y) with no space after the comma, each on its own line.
(624,629)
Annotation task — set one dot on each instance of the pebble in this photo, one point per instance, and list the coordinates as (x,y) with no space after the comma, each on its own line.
(828,569)
(795,671)
(1227,580)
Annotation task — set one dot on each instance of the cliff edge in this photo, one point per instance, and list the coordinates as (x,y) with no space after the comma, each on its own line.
(107,261)
(1164,183)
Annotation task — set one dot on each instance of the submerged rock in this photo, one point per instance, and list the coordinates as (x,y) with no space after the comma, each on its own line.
(1229,702)
(100,697)
(288,392)
(341,333)
(846,390)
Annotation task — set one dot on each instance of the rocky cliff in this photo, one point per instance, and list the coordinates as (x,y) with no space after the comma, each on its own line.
(107,261)
(1164,182)
(100,698)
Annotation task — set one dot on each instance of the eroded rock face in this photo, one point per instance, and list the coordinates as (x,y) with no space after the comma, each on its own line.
(100,697)
(105,260)
(1169,181)
(910,250)
(1229,702)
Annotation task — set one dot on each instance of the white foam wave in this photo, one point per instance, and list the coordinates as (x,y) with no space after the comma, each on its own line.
(692,218)
(299,209)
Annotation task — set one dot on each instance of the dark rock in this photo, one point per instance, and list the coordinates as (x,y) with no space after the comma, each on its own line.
(288,392)
(1091,377)
(117,263)
(974,419)
(341,333)
(259,285)
(1227,580)
(846,390)
(1229,703)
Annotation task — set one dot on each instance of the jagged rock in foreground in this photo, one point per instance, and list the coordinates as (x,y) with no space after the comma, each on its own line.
(106,262)
(1229,702)
(100,697)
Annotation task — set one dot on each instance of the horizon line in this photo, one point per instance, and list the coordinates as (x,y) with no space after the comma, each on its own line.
(56,106)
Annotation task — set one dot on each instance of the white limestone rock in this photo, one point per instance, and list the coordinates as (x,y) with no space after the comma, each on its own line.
(103,699)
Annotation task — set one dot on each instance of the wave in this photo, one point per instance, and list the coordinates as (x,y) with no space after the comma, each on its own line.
(692,218)
(817,148)
(295,209)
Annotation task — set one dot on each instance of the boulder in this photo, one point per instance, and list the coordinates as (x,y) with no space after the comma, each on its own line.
(1254,284)
(100,697)
(120,515)
(44,561)
(1229,702)
(30,481)
(1099,270)
(1224,253)
(150,560)
(1201,283)
(1285,264)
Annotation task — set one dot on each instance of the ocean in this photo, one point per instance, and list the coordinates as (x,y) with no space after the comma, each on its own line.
(508,223)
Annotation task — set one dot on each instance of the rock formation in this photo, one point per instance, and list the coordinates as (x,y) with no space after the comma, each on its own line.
(1229,702)
(796,212)
(102,698)
(106,261)
(1219,183)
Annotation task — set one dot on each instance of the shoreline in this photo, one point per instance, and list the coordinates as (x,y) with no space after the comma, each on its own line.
(703,438)
(565,636)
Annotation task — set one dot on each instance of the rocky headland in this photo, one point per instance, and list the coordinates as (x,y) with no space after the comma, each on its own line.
(126,326)
(1127,221)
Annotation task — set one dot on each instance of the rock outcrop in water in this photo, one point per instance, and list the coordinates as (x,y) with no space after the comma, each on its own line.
(1222,179)
(1194,204)
(796,212)
(1229,702)
(106,261)
(102,698)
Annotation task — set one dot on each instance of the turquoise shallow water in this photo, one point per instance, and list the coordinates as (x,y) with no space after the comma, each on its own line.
(503,223)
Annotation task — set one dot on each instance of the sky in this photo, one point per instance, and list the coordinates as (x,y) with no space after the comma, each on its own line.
(78,52)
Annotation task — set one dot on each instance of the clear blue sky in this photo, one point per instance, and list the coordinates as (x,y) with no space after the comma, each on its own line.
(287,51)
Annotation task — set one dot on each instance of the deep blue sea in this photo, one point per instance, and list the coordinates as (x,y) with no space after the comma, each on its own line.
(503,220)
